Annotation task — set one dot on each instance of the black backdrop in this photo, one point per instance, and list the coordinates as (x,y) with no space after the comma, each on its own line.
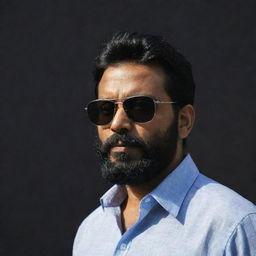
(49,178)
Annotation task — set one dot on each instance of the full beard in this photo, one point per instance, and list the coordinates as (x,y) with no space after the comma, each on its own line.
(156,156)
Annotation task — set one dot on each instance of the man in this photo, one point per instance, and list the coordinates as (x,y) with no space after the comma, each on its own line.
(161,205)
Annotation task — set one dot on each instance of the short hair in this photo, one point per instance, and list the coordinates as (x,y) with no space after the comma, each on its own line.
(149,50)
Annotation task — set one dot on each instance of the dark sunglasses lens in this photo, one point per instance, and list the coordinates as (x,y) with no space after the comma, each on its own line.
(101,112)
(140,109)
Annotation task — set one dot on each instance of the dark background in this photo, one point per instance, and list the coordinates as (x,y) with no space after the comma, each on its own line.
(49,177)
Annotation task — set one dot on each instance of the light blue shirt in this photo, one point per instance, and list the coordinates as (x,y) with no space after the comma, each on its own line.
(187,214)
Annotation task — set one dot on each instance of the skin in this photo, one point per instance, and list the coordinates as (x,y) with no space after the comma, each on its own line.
(128,79)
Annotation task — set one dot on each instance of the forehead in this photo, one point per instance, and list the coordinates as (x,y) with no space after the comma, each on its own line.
(128,79)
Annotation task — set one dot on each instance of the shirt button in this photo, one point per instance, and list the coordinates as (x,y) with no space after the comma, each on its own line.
(123,246)
(147,200)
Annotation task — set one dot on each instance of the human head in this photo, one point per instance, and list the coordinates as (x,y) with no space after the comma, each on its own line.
(122,59)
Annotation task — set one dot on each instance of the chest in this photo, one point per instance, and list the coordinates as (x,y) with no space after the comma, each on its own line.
(156,235)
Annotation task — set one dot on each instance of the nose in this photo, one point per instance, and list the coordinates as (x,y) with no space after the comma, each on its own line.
(121,121)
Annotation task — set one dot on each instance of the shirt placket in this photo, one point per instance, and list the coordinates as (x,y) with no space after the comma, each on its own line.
(125,242)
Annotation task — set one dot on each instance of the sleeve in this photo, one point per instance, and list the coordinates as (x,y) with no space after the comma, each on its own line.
(243,239)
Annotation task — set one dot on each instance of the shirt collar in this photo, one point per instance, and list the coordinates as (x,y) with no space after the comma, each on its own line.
(113,197)
(170,193)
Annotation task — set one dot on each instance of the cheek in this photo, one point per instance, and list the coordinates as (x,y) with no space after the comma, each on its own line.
(159,125)
(147,131)
(102,133)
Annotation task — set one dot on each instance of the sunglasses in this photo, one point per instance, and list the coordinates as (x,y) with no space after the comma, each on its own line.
(139,109)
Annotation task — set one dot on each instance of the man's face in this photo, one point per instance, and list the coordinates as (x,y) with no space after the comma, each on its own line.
(134,153)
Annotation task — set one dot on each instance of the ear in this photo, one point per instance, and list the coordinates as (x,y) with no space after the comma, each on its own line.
(186,120)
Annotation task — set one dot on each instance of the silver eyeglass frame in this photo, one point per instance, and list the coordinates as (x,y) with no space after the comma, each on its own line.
(117,101)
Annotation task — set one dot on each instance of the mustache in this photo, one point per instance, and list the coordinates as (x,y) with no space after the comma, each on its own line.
(125,139)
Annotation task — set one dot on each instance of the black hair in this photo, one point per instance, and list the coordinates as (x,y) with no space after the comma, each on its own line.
(149,50)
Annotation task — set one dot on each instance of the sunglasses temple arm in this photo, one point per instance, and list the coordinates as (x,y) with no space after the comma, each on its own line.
(165,102)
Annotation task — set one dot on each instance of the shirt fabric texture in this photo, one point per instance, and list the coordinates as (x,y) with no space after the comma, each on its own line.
(187,214)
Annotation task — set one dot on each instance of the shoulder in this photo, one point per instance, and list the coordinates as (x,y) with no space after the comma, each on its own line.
(220,214)
(220,197)
(87,225)
(91,218)
(217,204)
